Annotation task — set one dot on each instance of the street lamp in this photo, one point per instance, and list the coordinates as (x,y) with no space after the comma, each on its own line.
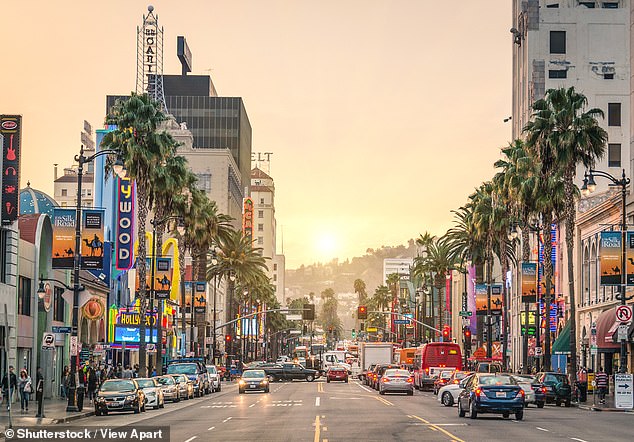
(119,169)
(214,262)
(589,186)
(159,323)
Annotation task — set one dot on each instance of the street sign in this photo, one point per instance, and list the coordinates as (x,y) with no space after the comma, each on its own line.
(622,332)
(624,314)
(538,351)
(463,313)
(60,329)
(401,321)
(295,332)
(623,390)
(48,341)
(74,348)
(293,317)
(593,350)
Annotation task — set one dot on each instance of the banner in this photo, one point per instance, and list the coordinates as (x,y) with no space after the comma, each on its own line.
(125,224)
(529,282)
(496,299)
(162,277)
(481,299)
(148,275)
(610,253)
(11,132)
(92,236)
(63,248)
(189,288)
(629,259)
(200,297)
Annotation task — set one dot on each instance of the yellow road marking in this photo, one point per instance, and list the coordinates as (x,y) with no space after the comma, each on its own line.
(385,401)
(317,428)
(437,428)
(320,387)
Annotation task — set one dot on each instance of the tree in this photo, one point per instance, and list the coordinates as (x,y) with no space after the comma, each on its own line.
(360,290)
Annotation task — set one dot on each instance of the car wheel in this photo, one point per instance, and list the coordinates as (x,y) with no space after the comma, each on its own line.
(410,392)
(505,415)
(461,412)
(178,397)
(346,380)
(97,413)
(540,404)
(473,413)
(137,410)
(447,399)
(519,415)
(310,378)
(267,390)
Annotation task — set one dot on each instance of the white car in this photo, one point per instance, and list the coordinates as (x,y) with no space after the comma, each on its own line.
(214,378)
(448,395)
(153,392)
(525,382)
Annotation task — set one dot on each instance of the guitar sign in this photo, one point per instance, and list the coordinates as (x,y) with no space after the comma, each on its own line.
(10,128)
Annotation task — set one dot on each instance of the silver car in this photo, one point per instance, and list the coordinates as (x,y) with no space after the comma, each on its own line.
(153,392)
(396,380)
(170,388)
(214,378)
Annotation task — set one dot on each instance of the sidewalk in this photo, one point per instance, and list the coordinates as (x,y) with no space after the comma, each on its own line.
(593,404)
(54,413)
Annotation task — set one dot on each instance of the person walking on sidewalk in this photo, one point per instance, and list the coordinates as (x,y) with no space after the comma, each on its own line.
(582,384)
(602,384)
(64,381)
(9,385)
(25,387)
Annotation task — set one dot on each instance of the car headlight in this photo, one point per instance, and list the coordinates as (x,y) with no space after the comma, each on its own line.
(130,397)
(241,382)
(101,399)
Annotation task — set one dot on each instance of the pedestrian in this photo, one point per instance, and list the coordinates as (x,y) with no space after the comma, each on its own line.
(39,391)
(9,385)
(91,382)
(135,374)
(582,384)
(602,381)
(25,387)
(64,381)
(81,388)
(119,371)
(127,373)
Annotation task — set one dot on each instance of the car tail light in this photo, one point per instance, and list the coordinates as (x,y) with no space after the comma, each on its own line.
(410,380)
(456,381)
(427,370)
(520,393)
(478,391)
(543,389)
(385,379)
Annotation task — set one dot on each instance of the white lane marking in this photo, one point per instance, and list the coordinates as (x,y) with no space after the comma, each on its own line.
(576,438)
(227,419)
(317,400)
(365,388)
(252,405)
(541,429)
(191,439)
(210,428)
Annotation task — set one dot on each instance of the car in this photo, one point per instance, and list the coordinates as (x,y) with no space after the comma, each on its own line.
(169,386)
(378,373)
(448,395)
(335,373)
(488,367)
(153,392)
(491,393)
(557,386)
(194,370)
(214,378)
(119,395)
(398,380)
(290,371)
(185,386)
(253,380)
(365,373)
(535,392)
(442,380)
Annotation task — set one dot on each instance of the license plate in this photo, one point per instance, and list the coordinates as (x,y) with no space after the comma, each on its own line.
(252,386)
(500,394)
(113,404)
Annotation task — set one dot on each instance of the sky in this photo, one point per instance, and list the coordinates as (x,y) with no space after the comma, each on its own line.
(382,115)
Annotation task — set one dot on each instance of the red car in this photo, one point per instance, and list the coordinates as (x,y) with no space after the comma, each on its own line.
(337,374)
(442,380)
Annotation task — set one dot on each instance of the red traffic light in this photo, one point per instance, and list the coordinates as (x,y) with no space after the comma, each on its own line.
(467,333)
(362,312)
(445,332)
(227,338)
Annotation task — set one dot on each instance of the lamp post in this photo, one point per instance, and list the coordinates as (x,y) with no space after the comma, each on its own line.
(119,169)
(589,186)
(214,261)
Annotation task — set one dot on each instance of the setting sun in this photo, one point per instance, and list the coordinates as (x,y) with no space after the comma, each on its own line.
(326,245)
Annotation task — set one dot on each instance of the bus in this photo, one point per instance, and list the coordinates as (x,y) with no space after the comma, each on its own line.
(300,354)
(430,359)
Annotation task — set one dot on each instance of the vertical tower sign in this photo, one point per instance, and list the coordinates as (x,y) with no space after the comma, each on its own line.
(149,66)
(10,131)
(247,217)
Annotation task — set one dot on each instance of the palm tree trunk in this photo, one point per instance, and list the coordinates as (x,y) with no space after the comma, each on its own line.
(488,322)
(142,271)
(548,276)
(569,216)
(505,317)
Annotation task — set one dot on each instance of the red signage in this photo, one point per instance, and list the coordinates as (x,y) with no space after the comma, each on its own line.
(247,217)
(10,129)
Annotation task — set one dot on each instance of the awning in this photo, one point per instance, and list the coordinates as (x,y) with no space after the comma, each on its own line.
(561,346)
(606,327)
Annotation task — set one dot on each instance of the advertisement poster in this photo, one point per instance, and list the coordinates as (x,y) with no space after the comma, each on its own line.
(148,270)
(163,277)
(125,224)
(189,288)
(529,282)
(610,252)
(200,300)
(481,299)
(11,131)
(92,236)
(63,248)
(629,261)
(496,299)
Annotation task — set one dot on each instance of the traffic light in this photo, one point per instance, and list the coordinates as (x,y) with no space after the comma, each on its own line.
(446,333)
(308,313)
(467,336)
(362,312)
(354,333)
(227,338)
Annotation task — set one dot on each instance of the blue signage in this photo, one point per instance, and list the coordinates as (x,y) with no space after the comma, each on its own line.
(60,329)
(132,335)
(401,321)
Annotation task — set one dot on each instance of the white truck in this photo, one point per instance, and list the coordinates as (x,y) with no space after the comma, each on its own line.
(335,358)
(374,353)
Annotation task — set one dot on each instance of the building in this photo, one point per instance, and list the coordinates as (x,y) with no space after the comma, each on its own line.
(400,266)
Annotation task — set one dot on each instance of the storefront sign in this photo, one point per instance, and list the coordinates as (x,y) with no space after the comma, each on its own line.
(132,335)
(11,133)
(247,217)
(623,390)
(125,224)
(132,318)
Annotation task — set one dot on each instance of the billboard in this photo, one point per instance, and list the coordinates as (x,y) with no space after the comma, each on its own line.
(162,277)
(92,237)
(132,335)
(63,248)
(610,253)
(125,224)
(10,131)
(529,282)
(496,299)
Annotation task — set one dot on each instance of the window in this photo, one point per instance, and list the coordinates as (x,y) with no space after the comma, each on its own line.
(557,73)
(614,114)
(64,192)
(261,200)
(274,277)
(24,296)
(587,4)
(610,5)
(204,181)
(275,267)
(260,240)
(260,227)
(58,304)
(614,155)
(553,5)
(557,42)
(260,213)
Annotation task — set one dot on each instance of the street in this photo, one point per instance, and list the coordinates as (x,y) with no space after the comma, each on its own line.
(318,411)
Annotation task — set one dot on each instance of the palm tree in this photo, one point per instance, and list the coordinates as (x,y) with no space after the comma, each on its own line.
(380,301)
(560,124)
(360,290)
(143,149)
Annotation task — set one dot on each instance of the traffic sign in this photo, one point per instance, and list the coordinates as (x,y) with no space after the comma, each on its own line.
(463,313)
(48,341)
(401,321)
(60,329)
(622,332)
(74,346)
(624,314)
(538,351)
(623,390)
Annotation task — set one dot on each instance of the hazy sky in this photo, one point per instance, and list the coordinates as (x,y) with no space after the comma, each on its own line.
(382,115)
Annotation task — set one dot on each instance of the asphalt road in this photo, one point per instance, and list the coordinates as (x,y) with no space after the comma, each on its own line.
(317,411)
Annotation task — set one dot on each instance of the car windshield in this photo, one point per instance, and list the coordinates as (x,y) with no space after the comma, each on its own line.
(396,373)
(118,386)
(211,369)
(496,380)
(145,383)
(182,369)
(165,381)
(461,375)
(257,374)
(339,369)
(526,379)
(555,378)
(445,375)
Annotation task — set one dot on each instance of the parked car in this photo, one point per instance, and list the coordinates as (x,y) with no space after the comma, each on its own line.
(119,395)
(442,380)
(169,386)
(448,395)
(194,369)
(185,386)
(253,380)
(335,373)
(153,392)
(535,392)
(397,380)
(557,386)
(213,378)
(491,393)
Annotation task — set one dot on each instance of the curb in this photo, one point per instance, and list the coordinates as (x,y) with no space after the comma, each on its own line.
(61,420)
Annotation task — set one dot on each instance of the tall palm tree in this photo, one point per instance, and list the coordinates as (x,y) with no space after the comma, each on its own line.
(360,290)
(561,124)
(380,301)
(143,148)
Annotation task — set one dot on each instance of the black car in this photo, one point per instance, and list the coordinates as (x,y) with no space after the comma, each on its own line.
(557,386)
(253,380)
(119,395)
(491,393)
